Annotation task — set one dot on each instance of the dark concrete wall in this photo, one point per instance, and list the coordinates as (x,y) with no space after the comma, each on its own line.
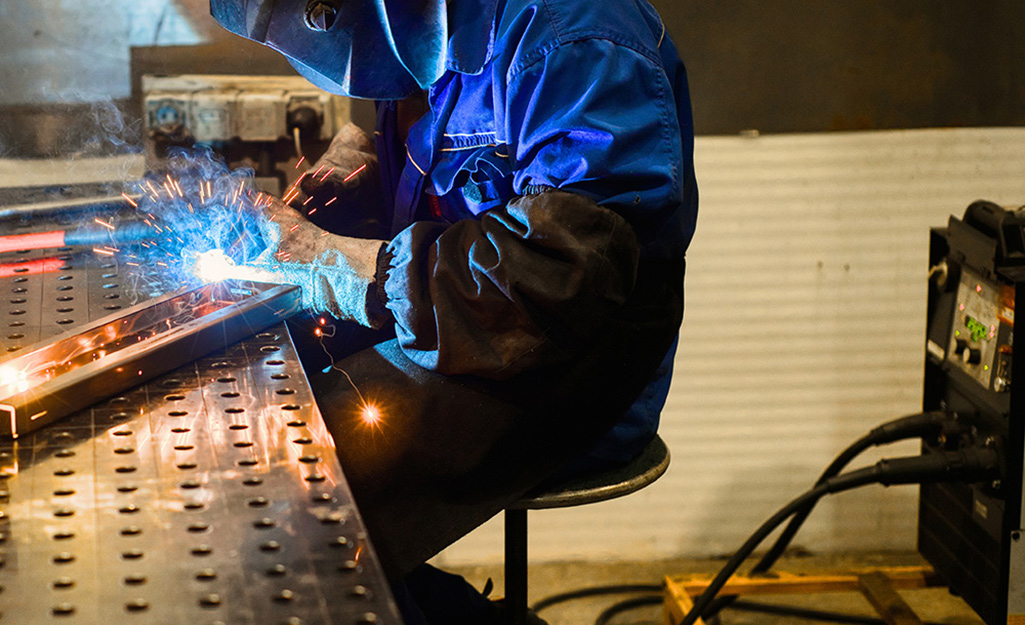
(816,65)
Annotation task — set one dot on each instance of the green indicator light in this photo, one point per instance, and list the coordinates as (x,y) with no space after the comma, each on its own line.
(957,333)
(985,367)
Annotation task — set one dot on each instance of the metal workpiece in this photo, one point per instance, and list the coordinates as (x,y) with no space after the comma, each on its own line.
(75,369)
(211,494)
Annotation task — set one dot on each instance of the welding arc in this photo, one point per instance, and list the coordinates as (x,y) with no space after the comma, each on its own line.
(124,233)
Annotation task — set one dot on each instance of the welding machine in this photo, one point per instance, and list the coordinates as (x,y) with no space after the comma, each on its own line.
(972,533)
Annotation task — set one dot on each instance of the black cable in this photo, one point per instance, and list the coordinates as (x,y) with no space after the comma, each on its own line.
(593,591)
(626,604)
(913,426)
(918,425)
(965,465)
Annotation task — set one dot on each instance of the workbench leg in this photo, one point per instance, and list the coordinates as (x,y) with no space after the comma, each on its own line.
(516,566)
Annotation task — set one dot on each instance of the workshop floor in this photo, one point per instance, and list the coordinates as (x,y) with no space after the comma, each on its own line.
(933,605)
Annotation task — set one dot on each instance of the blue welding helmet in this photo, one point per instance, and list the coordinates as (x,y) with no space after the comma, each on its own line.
(378,49)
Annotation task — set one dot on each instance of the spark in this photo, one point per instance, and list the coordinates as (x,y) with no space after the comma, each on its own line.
(103,223)
(330,202)
(301,159)
(103,251)
(319,169)
(353,174)
(370,414)
(312,210)
(329,172)
(130,200)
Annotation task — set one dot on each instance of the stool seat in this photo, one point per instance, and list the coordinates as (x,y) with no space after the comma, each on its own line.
(601,486)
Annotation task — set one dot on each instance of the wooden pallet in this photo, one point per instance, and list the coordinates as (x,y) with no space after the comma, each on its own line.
(879,585)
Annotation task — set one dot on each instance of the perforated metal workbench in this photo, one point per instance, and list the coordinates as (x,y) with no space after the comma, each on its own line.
(210,495)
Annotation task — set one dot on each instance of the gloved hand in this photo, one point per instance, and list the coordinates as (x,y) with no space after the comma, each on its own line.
(345,187)
(337,274)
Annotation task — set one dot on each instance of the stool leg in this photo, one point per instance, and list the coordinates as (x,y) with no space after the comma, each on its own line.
(516,565)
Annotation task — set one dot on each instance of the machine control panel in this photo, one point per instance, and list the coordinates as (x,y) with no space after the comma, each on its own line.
(980,342)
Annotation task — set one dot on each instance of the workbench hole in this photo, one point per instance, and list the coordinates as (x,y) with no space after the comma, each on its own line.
(64,492)
(108,275)
(122,433)
(63,535)
(279,376)
(277,570)
(178,413)
(14,348)
(16,335)
(193,505)
(111,285)
(126,469)
(129,509)
(131,530)
(238,426)
(270,546)
(65,287)
(16,324)
(174,397)
(234,410)
(252,481)
(63,582)
(276,363)
(112,296)
(229,394)
(18,300)
(257,502)
(270,349)
(65,310)
(285,391)
(112,307)
(298,423)
(180,430)
(201,550)
(18,312)
(19,289)
(197,528)
(132,554)
(65,322)
(20,279)
(63,609)
(127,488)
(291,407)
(186,466)
(226,380)
(184,447)
(65,277)
(65,268)
(65,298)
(206,575)
(134,579)
(248,462)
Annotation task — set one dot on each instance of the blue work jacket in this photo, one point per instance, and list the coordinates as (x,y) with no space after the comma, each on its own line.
(539,96)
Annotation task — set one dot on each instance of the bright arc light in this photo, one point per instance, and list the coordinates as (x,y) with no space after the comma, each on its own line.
(370,414)
(214,266)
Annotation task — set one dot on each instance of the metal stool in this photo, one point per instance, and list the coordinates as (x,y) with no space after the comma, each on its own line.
(576,491)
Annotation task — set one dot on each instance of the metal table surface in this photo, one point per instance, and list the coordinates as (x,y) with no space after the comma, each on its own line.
(211,495)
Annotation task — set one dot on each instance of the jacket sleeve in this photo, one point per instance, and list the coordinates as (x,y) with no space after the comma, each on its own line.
(520,288)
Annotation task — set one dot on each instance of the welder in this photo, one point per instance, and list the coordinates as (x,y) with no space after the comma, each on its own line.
(514,235)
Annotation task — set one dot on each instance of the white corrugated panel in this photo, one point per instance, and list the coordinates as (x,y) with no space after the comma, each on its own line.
(804,328)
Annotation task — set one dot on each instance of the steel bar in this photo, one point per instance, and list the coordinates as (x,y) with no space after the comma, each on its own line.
(116,352)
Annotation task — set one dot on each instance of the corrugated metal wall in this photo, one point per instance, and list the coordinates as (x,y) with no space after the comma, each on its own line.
(804,328)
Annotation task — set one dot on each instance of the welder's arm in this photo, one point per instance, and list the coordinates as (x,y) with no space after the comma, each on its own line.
(344,187)
(522,287)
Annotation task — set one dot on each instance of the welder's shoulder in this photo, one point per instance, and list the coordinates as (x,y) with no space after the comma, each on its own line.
(536,27)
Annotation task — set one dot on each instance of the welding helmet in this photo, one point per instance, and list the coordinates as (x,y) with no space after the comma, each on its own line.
(378,49)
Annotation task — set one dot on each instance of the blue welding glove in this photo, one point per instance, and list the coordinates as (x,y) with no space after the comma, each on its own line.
(337,274)
(344,187)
